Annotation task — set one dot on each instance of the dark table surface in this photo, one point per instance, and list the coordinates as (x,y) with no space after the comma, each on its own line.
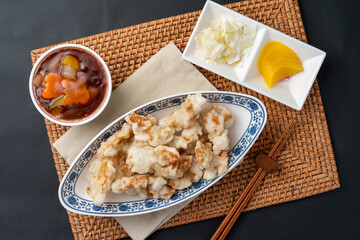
(29,206)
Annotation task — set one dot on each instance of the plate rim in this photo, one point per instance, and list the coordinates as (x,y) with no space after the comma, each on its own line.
(112,214)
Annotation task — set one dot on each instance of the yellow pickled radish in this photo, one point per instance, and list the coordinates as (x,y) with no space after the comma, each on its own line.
(277,61)
(72,61)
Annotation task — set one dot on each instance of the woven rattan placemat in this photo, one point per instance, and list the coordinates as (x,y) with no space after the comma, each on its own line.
(307,160)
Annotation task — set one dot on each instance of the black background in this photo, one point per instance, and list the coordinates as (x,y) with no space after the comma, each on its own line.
(29,206)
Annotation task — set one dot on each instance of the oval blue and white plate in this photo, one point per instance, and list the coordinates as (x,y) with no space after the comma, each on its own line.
(249,120)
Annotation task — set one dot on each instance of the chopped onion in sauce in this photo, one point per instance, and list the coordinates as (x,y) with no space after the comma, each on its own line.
(38,80)
(68,72)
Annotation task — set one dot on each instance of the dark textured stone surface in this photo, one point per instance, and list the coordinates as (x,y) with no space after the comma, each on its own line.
(29,206)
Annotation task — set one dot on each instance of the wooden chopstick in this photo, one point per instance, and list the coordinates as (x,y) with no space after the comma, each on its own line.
(246,195)
(282,140)
(242,205)
(237,204)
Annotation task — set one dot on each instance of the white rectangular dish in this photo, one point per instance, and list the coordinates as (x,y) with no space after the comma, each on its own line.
(292,92)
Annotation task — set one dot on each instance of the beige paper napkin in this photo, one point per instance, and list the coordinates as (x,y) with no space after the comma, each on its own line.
(164,74)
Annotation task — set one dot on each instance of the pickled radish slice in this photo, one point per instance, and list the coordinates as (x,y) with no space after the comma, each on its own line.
(277,61)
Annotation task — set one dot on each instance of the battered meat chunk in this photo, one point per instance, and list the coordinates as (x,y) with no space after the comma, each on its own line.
(217,134)
(163,161)
(188,137)
(143,185)
(101,174)
(159,189)
(192,175)
(146,130)
(168,161)
(140,159)
(132,185)
(111,147)
(203,154)
(187,114)
(218,166)
(225,113)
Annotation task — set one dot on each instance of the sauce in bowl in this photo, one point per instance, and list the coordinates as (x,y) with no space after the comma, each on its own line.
(70,84)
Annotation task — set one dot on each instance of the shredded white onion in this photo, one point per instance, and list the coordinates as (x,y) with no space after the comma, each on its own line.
(226,41)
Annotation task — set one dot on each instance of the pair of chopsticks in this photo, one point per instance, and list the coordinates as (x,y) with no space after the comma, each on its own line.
(244,198)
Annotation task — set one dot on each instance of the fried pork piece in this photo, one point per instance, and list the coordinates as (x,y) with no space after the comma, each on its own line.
(132,185)
(220,162)
(158,188)
(184,164)
(168,161)
(188,137)
(140,159)
(143,185)
(226,113)
(213,165)
(187,114)
(203,154)
(125,146)
(220,142)
(194,174)
(146,130)
(163,161)
(214,125)
(101,173)
(111,146)
(158,136)
(122,168)
(218,166)
(139,123)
